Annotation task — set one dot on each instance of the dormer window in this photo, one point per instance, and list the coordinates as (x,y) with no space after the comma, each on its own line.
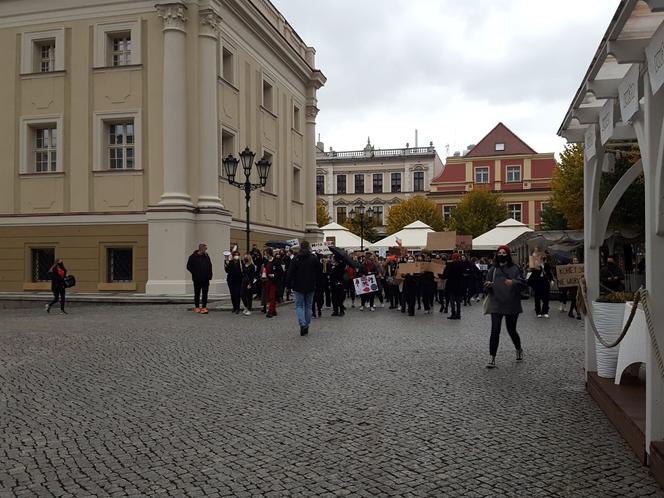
(500,146)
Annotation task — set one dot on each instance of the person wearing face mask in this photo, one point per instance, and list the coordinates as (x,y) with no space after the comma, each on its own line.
(271,274)
(504,284)
(454,285)
(234,278)
(571,292)
(58,273)
(200,267)
(249,280)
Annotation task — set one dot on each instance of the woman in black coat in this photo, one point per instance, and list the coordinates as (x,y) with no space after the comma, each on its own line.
(233,269)
(455,285)
(249,281)
(58,273)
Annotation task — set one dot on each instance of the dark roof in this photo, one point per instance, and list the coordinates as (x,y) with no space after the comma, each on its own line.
(500,134)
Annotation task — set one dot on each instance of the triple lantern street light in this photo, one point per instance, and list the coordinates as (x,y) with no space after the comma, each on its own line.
(230,164)
(361,212)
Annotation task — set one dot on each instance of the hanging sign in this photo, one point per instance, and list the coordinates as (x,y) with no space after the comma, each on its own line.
(655,58)
(629,93)
(606,121)
(591,136)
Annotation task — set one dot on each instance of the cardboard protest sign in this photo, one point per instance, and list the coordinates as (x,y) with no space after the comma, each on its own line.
(569,275)
(464,242)
(409,268)
(365,285)
(382,252)
(434,267)
(441,241)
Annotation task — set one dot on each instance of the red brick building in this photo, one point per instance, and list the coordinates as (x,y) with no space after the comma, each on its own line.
(505,164)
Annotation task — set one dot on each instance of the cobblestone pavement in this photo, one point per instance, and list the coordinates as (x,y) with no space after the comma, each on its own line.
(157,401)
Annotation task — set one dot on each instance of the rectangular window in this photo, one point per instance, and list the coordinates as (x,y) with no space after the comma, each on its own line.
(268,96)
(120,264)
(482,175)
(320,184)
(514,211)
(378,215)
(121,145)
(341,215)
(296,118)
(500,146)
(418,181)
(227,144)
(395,182)
(378,183)
(296,184)
(447,212)
(42,260)
(270,186)
(45,60)
(513,174)
(228,66)
(341,184)
(119,45)
(45,149)
(359,184)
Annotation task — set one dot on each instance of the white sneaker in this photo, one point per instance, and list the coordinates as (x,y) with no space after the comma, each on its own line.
(247,313)
(546,315)
(361,308)
(372,309)
(539,316)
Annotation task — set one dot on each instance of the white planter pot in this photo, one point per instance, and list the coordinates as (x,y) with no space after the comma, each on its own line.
(609,322)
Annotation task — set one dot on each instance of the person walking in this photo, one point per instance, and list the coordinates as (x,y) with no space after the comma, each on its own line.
(302,278)
(455,285)
(200,267)
(368,268)
(271,275)
(234,278)
(503,285)
(58,273)
(321,283)
(249,281)
(338,286)
(572,293)
(540,280)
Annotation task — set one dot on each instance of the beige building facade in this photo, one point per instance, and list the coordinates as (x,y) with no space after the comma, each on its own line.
(379,178)
(116,117)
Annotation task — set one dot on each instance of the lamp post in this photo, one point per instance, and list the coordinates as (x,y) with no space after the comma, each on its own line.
(247,159)
(361,212)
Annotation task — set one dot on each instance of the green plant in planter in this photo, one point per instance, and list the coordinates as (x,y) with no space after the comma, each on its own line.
(616,297)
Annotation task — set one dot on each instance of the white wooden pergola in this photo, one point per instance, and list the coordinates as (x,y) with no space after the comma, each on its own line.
(621,99)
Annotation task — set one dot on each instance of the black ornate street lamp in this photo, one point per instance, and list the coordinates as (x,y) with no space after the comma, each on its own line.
(361,212)
(230,164)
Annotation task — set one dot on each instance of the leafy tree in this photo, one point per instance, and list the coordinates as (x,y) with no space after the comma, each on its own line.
(353,224)
(552,219)
(567,186)
(322,216)
(414,209)
(479,211)
(630,212)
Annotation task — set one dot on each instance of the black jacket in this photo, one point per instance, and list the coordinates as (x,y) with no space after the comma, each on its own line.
(234,271)
(303,273)
(200,267)
(453,276)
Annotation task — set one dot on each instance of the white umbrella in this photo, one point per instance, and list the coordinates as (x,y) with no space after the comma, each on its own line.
(503,234)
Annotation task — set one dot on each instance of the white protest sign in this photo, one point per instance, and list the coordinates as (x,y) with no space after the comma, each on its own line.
(293,243)
(321,248)
(365,285)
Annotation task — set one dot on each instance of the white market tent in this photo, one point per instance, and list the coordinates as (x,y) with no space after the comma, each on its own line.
(413,236)
(342,237)
(503,234)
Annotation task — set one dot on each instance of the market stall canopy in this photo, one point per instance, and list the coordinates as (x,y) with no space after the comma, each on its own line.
(554,240)
(340,236)
(413,236)
(503,234)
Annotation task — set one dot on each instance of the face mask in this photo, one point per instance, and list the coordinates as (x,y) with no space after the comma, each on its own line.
(411,260)
(236,258)
(502,258)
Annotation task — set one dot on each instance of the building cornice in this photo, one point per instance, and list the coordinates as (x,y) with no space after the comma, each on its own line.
(466,159)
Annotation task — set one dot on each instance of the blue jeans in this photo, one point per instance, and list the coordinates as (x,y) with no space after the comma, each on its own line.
(303,303)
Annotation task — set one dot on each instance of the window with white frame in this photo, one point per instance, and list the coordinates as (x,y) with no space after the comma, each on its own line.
(121,145)
(418,181)
(117,44)
(359,184)
(377,183)
(40,145)
(320,184)
(482,174)
(117,141)
(447,212)
(513,174)
(500,146)
(228,65)
(395,179)
(45,152)
(43,51)
(515,211)
(341,184)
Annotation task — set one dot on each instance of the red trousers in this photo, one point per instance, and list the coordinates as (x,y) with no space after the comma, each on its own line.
(271,297)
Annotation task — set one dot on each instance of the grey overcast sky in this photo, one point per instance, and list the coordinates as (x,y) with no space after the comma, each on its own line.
(451,69)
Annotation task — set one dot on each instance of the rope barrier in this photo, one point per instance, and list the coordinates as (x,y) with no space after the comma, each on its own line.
(641,296)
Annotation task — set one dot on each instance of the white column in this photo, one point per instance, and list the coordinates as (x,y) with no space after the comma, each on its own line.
(649,128)
(310,164)
(174,107)
(208,132)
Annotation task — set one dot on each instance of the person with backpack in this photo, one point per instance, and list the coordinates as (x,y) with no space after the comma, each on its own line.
(504,284)
(302,278)
(58,273)
(200,267)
